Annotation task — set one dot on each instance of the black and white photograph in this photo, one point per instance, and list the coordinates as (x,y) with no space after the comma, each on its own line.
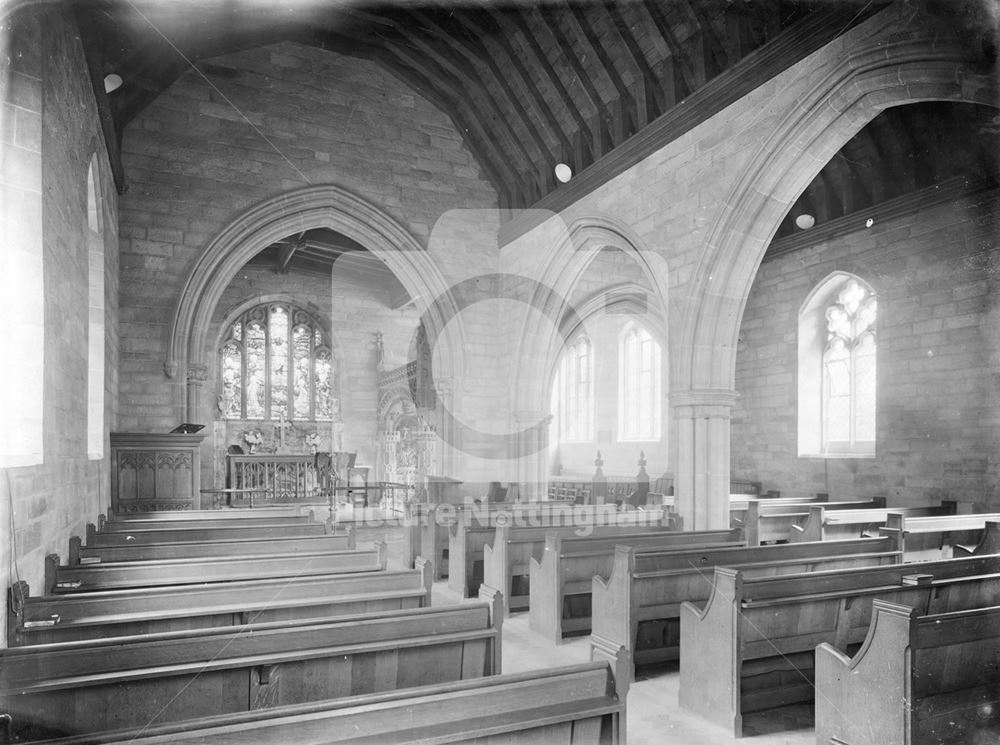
(584,372)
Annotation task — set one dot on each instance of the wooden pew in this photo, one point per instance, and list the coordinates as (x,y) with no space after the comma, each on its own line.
(80,554)
(468,535)
(752,647)
(560,577)
(918,679)
(76,578)
(82,687)
(226,521)
(95,615)
(506,563)
(575,705)
(220,514)
(767,522)
(929,538)
(637,606)
(838,525)
(426,526)
(739,504)
(200,532)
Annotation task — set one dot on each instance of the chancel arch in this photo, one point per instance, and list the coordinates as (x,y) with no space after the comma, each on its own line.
(863,82)
(328,206)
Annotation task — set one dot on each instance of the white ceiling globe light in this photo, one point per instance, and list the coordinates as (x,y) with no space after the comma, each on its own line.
(112,82)
(805,221)
(563,172)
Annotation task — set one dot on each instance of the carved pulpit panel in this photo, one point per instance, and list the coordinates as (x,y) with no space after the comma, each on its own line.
(152,471)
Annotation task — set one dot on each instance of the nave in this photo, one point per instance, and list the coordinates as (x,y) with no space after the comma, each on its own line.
(303,647)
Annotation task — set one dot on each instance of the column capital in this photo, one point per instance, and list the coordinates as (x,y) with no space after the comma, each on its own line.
(703,402)
(197,373)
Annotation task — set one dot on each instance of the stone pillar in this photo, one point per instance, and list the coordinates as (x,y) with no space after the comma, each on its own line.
(701,472)
(445,390)
(531,454)
(196,377)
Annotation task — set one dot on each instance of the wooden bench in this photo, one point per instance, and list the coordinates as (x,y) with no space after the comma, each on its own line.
(766,522)
(220,514)
(838,525)
(76,578)
(575,705)
(637,606)
(752,647)
(142,523)
(928,538)
(739,504)
(918,679)
(427,527)
(560,578)
(506,564)
(95,615)
(80,554)
(468,536)
(200,532)
(83,687)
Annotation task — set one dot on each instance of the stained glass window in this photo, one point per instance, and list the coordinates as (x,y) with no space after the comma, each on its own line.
(573,393)
(849,369)
(639,386)
(275,359)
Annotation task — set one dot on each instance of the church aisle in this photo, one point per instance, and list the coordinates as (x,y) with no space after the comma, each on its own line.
(654,717)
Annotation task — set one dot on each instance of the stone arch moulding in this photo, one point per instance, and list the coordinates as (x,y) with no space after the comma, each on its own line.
(326,205)
(875,75)
(539,353)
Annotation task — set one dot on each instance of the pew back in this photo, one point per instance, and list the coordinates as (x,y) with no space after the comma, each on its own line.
(93,615)
(929,538)
(561,577)
(637,607)
(577,705)
(201,533)
(197,570)
(130,682)
(78,553)
(837,525)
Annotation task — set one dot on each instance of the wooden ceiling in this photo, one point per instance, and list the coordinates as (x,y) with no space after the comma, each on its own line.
(594,84)
(528,84)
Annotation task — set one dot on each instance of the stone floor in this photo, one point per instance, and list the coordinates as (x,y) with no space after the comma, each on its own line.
(654,717)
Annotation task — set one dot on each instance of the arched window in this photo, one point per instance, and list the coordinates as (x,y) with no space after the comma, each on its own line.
(573,393)
(275,360)
(95,324)
(639,376)
(849,370)
(837,369)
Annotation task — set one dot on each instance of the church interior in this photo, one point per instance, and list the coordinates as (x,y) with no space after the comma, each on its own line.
(700,274)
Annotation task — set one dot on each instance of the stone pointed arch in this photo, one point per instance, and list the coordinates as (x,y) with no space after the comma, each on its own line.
(584,239)
(889,61)
(538,349)
(325,205)
(863,83)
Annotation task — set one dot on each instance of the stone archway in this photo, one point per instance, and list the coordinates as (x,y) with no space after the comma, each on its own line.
(877,72)
(537,353)
(326,206)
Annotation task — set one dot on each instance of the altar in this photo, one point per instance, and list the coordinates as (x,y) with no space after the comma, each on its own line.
(275,477)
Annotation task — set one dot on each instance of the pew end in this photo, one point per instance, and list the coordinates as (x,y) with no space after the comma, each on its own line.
(496,600)
(74,549)
(846,682)
(426,569)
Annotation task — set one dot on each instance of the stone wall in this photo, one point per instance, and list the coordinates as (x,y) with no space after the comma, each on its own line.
(47,503)
(272,119)
(936,416)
